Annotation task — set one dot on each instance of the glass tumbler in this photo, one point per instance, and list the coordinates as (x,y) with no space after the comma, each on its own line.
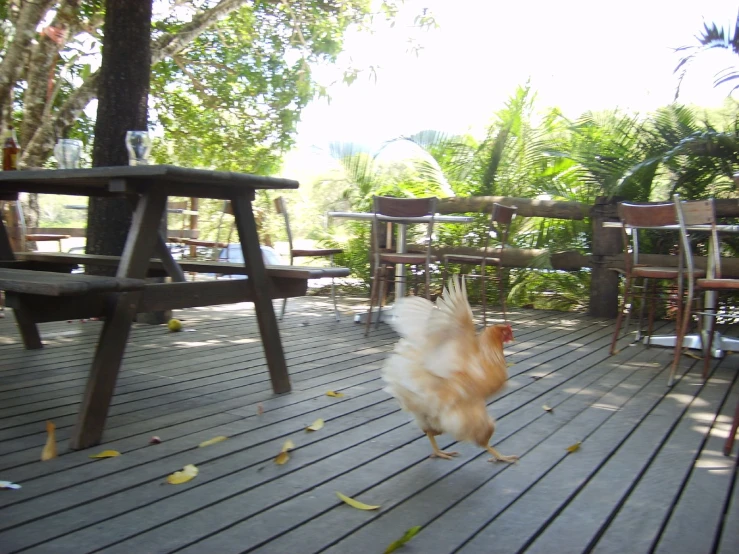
(138,144)
(67,153)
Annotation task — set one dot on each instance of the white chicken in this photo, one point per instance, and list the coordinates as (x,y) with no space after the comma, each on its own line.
(443,371)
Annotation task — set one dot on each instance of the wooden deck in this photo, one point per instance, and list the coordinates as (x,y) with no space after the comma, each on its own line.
(648,477)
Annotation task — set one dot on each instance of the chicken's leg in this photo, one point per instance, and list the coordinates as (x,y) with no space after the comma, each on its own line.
(498,457)
(439,453)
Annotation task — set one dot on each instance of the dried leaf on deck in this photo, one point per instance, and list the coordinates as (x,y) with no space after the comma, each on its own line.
(260,409)
(315,426)
(509,364)
(334,394)
(155,440)
(691,355)
(188,473)
(214,440)
(9,485)
(49,450)
(574,447)
(356,503)
(288,445)
(282,458)
(106,454)
(547,408)
(409,534)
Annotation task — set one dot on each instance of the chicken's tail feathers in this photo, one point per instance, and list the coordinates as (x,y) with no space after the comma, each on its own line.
(411,315)
(454,302)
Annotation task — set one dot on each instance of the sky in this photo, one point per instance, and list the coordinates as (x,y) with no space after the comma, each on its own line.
(577,54)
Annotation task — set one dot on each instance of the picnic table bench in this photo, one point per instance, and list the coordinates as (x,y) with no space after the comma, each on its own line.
(37,295)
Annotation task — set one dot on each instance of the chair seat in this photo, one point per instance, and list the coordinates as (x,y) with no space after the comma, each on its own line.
(718,284)
(470,259)
(42,237)
(412,259)
(655,272)
(316,252)
(204,243)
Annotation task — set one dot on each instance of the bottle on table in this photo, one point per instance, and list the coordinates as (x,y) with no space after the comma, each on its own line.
(11,150)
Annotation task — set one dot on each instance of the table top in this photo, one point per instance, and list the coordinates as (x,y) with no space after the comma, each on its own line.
(126,179)
(367,216)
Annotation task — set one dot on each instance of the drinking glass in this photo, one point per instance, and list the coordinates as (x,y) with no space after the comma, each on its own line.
(67,153)
(138,144)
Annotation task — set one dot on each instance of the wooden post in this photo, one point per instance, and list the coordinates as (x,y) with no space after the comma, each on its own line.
(194,202)
(606,242)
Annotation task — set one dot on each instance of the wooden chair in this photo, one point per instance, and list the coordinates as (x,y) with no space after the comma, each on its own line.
(500,225)
(385,261)
(635,219)
(703,212)
(281,208)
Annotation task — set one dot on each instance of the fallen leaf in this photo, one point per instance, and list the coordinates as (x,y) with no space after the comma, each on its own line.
(155,440)
(214,440)
(260,409)
(288,445)
(49,450)
(356,503)
(188,473)
(535,377)
(691,355)
(509,364)
(547,408)
(9,485)
(106,454)
(282,458)
(409,534)
(315,426)
(574,447)
(334,394)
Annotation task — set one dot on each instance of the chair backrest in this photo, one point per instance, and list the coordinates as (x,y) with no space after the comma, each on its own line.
(500,223)
(403,207)
(281,208)
(642,216)
(698,212)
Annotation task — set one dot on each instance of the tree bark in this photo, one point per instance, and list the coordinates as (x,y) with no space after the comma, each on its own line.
(122,106)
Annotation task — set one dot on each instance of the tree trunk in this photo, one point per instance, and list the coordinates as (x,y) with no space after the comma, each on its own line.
(122,106)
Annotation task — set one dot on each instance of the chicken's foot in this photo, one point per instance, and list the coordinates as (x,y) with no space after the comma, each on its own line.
(498,457)
(437,452)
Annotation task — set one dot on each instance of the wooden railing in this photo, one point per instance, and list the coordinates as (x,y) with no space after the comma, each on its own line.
(607,248)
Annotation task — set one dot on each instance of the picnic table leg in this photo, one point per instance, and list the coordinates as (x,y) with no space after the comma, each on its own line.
(119,314)
(257,282)
(26,325)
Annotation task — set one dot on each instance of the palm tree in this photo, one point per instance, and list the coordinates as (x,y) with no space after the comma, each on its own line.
(710,38)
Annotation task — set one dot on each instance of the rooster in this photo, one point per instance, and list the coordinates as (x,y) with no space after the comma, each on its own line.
(443,372)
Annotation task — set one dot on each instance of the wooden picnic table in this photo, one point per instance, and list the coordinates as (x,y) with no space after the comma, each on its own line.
(43,296)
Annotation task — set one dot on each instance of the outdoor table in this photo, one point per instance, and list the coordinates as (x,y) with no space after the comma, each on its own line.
(401,246)
(148,188)
(693,341)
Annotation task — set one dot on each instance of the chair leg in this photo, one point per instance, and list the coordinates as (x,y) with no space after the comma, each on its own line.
(652,310)
(682,329)
(383,294)
(333,298)
(483,293)
(284,305)
(707,352)
(732,434)
(620,316)
(502,292)
(373,293)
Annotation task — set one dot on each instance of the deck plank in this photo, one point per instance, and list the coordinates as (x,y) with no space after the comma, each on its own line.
(640,439)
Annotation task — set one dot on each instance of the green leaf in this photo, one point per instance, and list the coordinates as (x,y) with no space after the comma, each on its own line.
(409,534)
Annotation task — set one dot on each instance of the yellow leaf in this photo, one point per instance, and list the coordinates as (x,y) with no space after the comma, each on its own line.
(49,450)
(356,503)
(282,458)
(509,364)
(574,447)
(214,440)
(315,426)
(106,454)
(409,534)
(547,408)
(178,477)
(691,355)
(334,394)
(289,445)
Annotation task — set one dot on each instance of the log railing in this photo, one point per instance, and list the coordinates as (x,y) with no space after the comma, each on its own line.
(607,249)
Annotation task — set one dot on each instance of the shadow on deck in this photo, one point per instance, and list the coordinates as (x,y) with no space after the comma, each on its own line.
(649,475)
